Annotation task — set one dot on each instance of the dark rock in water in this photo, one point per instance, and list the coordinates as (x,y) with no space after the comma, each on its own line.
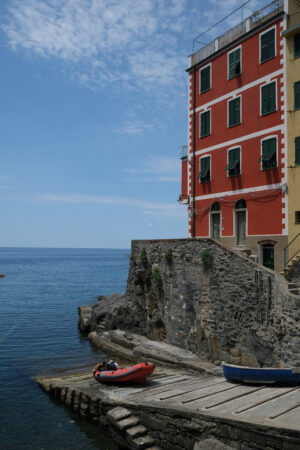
(2,276)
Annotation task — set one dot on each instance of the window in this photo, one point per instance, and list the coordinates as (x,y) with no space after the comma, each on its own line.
(268,155)
(268,98)
(234,63)
(297,94)
(297,45)
(297,216)
(267,45)
(204,174)
(205,124)
(234,112)
(234,162)
(297,150)
(205,79)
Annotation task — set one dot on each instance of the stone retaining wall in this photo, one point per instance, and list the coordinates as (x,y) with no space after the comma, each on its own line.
(203,297)
(213,301)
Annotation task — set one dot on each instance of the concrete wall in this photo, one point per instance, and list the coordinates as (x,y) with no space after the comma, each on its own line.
(222,306)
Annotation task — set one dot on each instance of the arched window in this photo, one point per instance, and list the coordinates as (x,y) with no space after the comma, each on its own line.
(240,221)
(215,220)
(215,206)
(240,204)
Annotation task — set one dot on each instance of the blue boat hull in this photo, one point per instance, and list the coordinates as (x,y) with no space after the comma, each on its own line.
(260,375)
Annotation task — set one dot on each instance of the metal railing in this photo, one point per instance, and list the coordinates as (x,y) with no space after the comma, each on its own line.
(234,33)
(291,250)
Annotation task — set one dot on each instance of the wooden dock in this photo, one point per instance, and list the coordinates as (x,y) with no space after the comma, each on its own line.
(194,406)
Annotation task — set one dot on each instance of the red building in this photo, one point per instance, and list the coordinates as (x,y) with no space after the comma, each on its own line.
(234,172)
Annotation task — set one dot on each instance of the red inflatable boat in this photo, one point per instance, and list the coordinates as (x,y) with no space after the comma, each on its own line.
(136,373)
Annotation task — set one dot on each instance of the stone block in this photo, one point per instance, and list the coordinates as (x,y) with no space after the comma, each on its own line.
(127,423)
(143,441)
(118,413)
(136,431)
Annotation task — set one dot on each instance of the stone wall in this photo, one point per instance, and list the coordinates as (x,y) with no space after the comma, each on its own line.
(201,296)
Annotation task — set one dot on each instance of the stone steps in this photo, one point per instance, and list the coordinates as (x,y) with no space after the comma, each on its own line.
(128,431)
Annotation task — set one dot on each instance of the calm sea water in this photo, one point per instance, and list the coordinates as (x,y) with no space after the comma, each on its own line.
(39,336)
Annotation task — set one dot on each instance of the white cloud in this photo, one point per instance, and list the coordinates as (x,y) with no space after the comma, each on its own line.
(156,169)
(136,126)
(104,41)
(154,208)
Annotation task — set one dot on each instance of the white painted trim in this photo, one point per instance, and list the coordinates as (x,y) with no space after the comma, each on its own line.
(239,191)
(232,51)
(236,92)
(203,112)
(240,139)
(210,78)
(261,145)
(276,102)
(228,150)
(284,145)
(260,35)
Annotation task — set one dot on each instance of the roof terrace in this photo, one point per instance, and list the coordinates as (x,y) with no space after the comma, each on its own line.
(256,19)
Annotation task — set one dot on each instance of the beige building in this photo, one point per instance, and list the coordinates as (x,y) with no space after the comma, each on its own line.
(292,92)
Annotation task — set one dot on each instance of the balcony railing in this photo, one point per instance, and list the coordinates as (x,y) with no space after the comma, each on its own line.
(291,250)
(257,18)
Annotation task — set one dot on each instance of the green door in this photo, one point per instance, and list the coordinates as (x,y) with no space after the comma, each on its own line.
(268,256)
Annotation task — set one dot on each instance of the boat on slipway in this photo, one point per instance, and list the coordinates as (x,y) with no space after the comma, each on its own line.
(261,375)
(136,373)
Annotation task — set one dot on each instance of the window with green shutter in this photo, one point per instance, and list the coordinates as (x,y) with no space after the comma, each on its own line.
(268,154)
(297,94)
(297,150)
(234,63)
(267,45)
(204,174)
(234,112)
(297,45)
(268,98)
(205,79)
(234,162)
(205,124)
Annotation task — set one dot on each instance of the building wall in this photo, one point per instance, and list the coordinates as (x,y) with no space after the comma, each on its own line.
(293,122)
(263,190)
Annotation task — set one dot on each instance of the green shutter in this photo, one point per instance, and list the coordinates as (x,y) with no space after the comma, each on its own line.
(297,150)
(268,157)
(233,165)
(267,45)
(204,174)
(205,124)
(205,79)
(297,45)
(234,62)
(268,98)
(297,94)
(234,112)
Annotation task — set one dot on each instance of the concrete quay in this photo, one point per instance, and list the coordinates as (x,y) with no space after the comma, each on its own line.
(176,409)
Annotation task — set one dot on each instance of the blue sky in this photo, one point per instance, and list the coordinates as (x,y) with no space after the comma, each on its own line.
(93,112)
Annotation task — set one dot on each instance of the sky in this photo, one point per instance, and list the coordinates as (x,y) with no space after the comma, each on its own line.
(93,114)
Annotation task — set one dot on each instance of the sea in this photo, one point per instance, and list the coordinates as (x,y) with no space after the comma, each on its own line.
(39,336)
